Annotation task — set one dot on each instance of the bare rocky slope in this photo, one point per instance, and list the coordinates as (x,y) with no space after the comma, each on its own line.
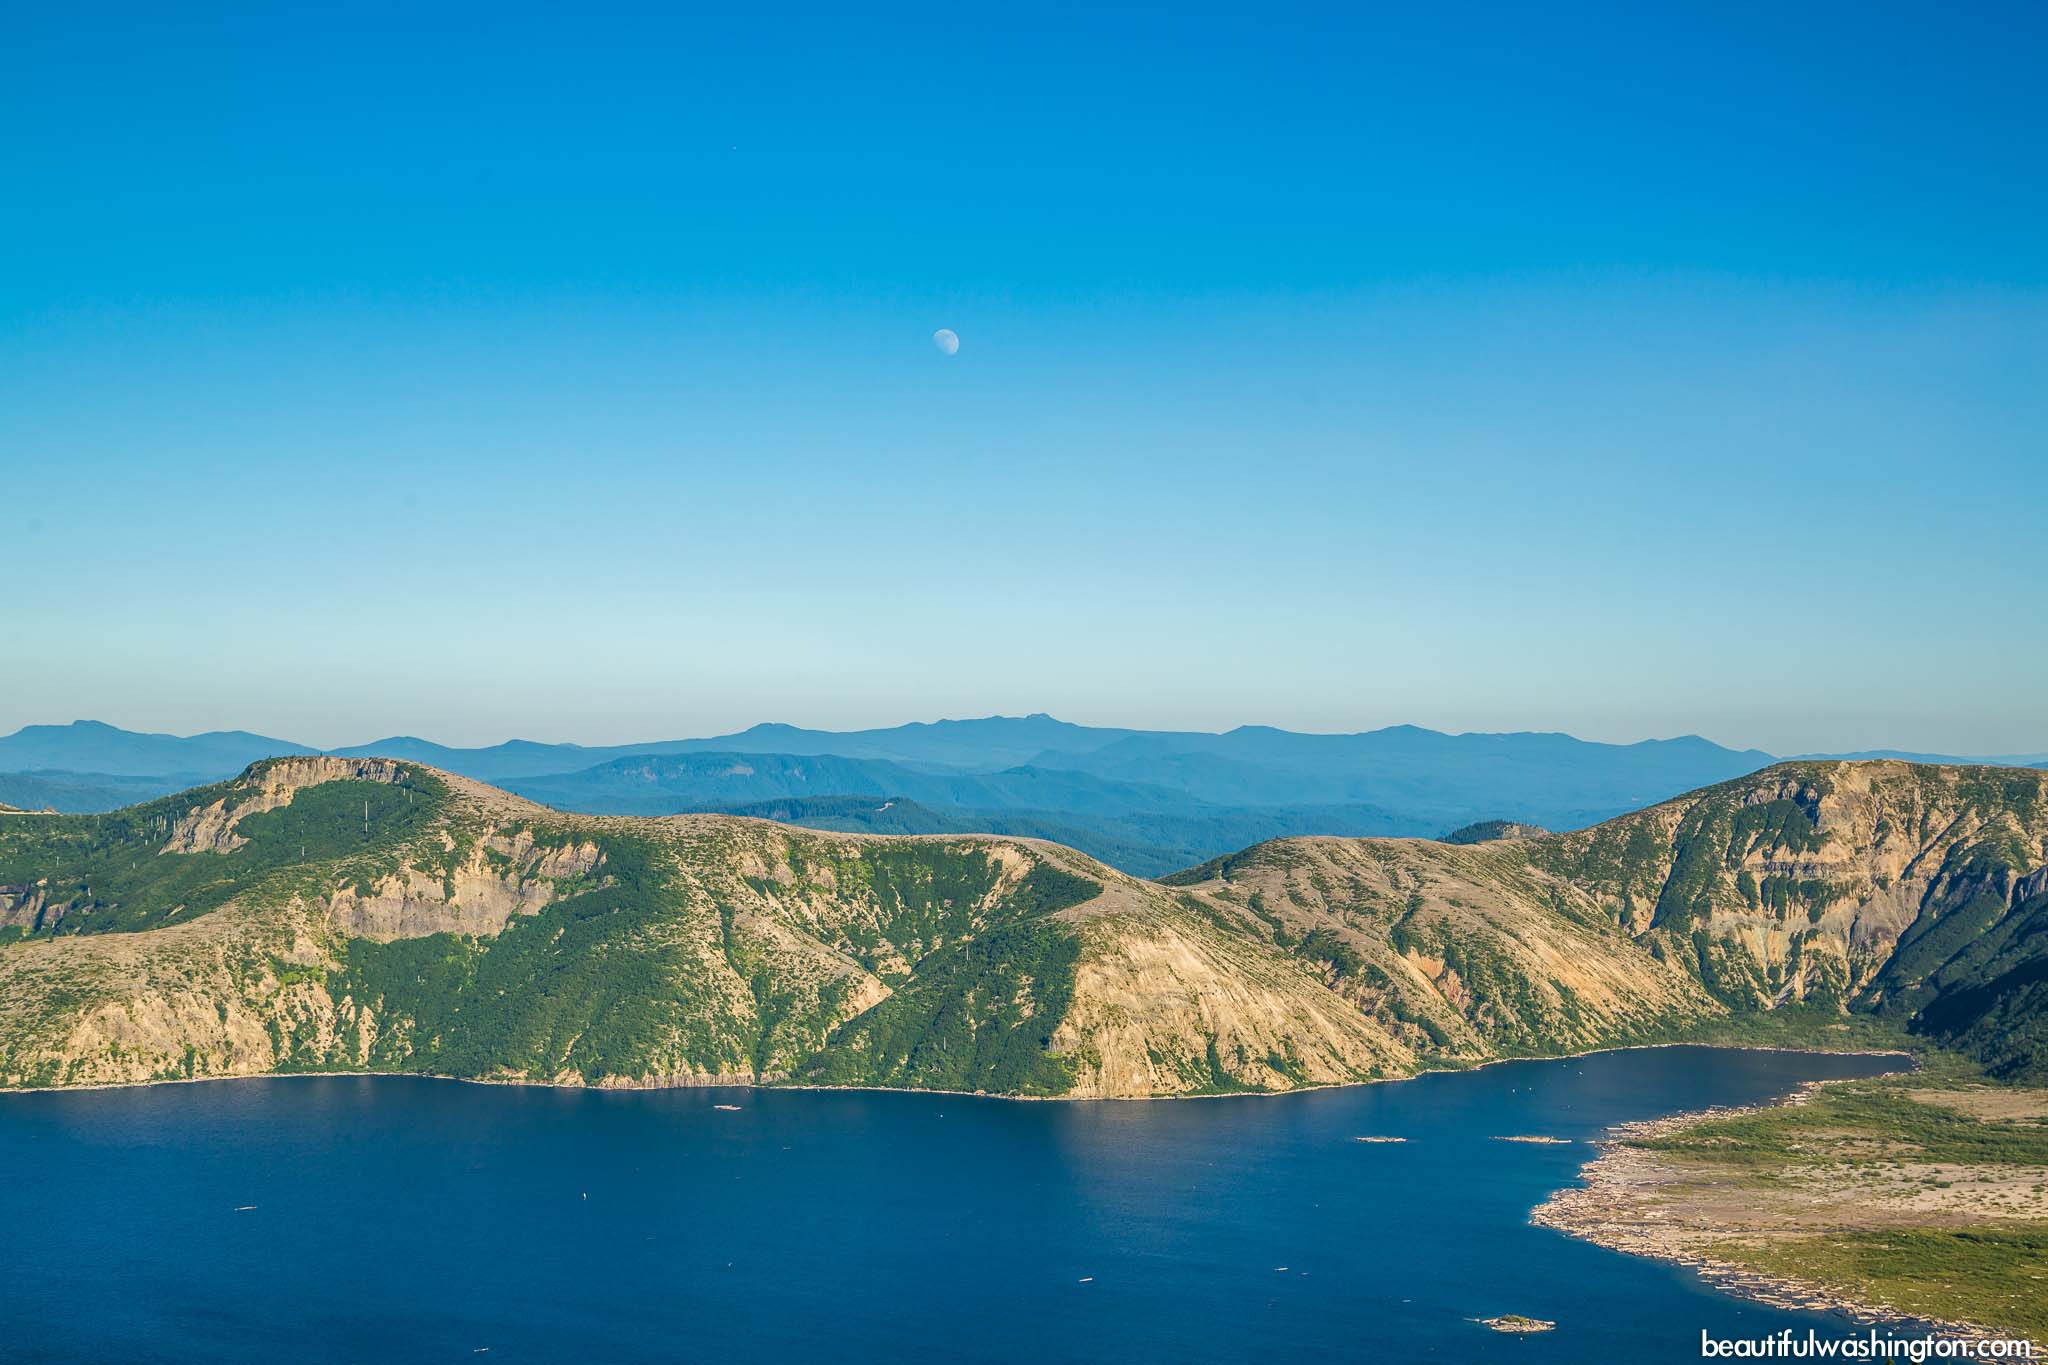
(326,913)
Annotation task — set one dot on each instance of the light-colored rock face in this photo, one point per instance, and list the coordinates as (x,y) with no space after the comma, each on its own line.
(1870,849)
(28,906)
(211,828)
(477,896)
(1163,1008)
(229,994)
(1438,945)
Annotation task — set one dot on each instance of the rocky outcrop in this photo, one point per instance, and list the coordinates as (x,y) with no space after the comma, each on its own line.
(267,786)
(29,908)
(501,877)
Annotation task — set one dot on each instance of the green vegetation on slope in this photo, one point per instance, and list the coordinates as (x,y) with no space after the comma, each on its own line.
(1974,973)
(979,1016)
(622,981)
(109,874)
(596,984)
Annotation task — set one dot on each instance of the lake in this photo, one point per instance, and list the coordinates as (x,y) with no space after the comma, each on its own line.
(318,1219)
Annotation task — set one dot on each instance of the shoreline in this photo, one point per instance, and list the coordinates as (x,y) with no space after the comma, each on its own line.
(718,1082)
(1598,1211)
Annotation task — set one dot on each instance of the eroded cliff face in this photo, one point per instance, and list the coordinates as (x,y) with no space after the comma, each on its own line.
(1800,884)
(28,907)
(498,877)
(1168,1002)
(1458,953)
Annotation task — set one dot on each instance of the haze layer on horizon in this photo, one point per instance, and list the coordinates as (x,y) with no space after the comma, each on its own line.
(1616,373)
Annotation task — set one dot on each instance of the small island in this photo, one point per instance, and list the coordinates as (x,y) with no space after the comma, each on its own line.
(1516,1322)
(1538,1139)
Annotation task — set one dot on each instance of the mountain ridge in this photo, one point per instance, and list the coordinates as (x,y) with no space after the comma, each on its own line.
(1021,737)
(91,746)
(322,913)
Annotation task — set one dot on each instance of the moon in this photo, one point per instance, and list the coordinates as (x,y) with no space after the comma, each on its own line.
(947,340)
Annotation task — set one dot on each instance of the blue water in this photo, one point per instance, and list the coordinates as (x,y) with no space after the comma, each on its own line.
(404,1220)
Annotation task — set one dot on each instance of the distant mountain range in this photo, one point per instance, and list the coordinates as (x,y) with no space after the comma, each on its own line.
(91,746)
(1145,801)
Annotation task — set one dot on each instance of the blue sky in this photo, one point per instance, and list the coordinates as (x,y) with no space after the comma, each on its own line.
(513,371)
